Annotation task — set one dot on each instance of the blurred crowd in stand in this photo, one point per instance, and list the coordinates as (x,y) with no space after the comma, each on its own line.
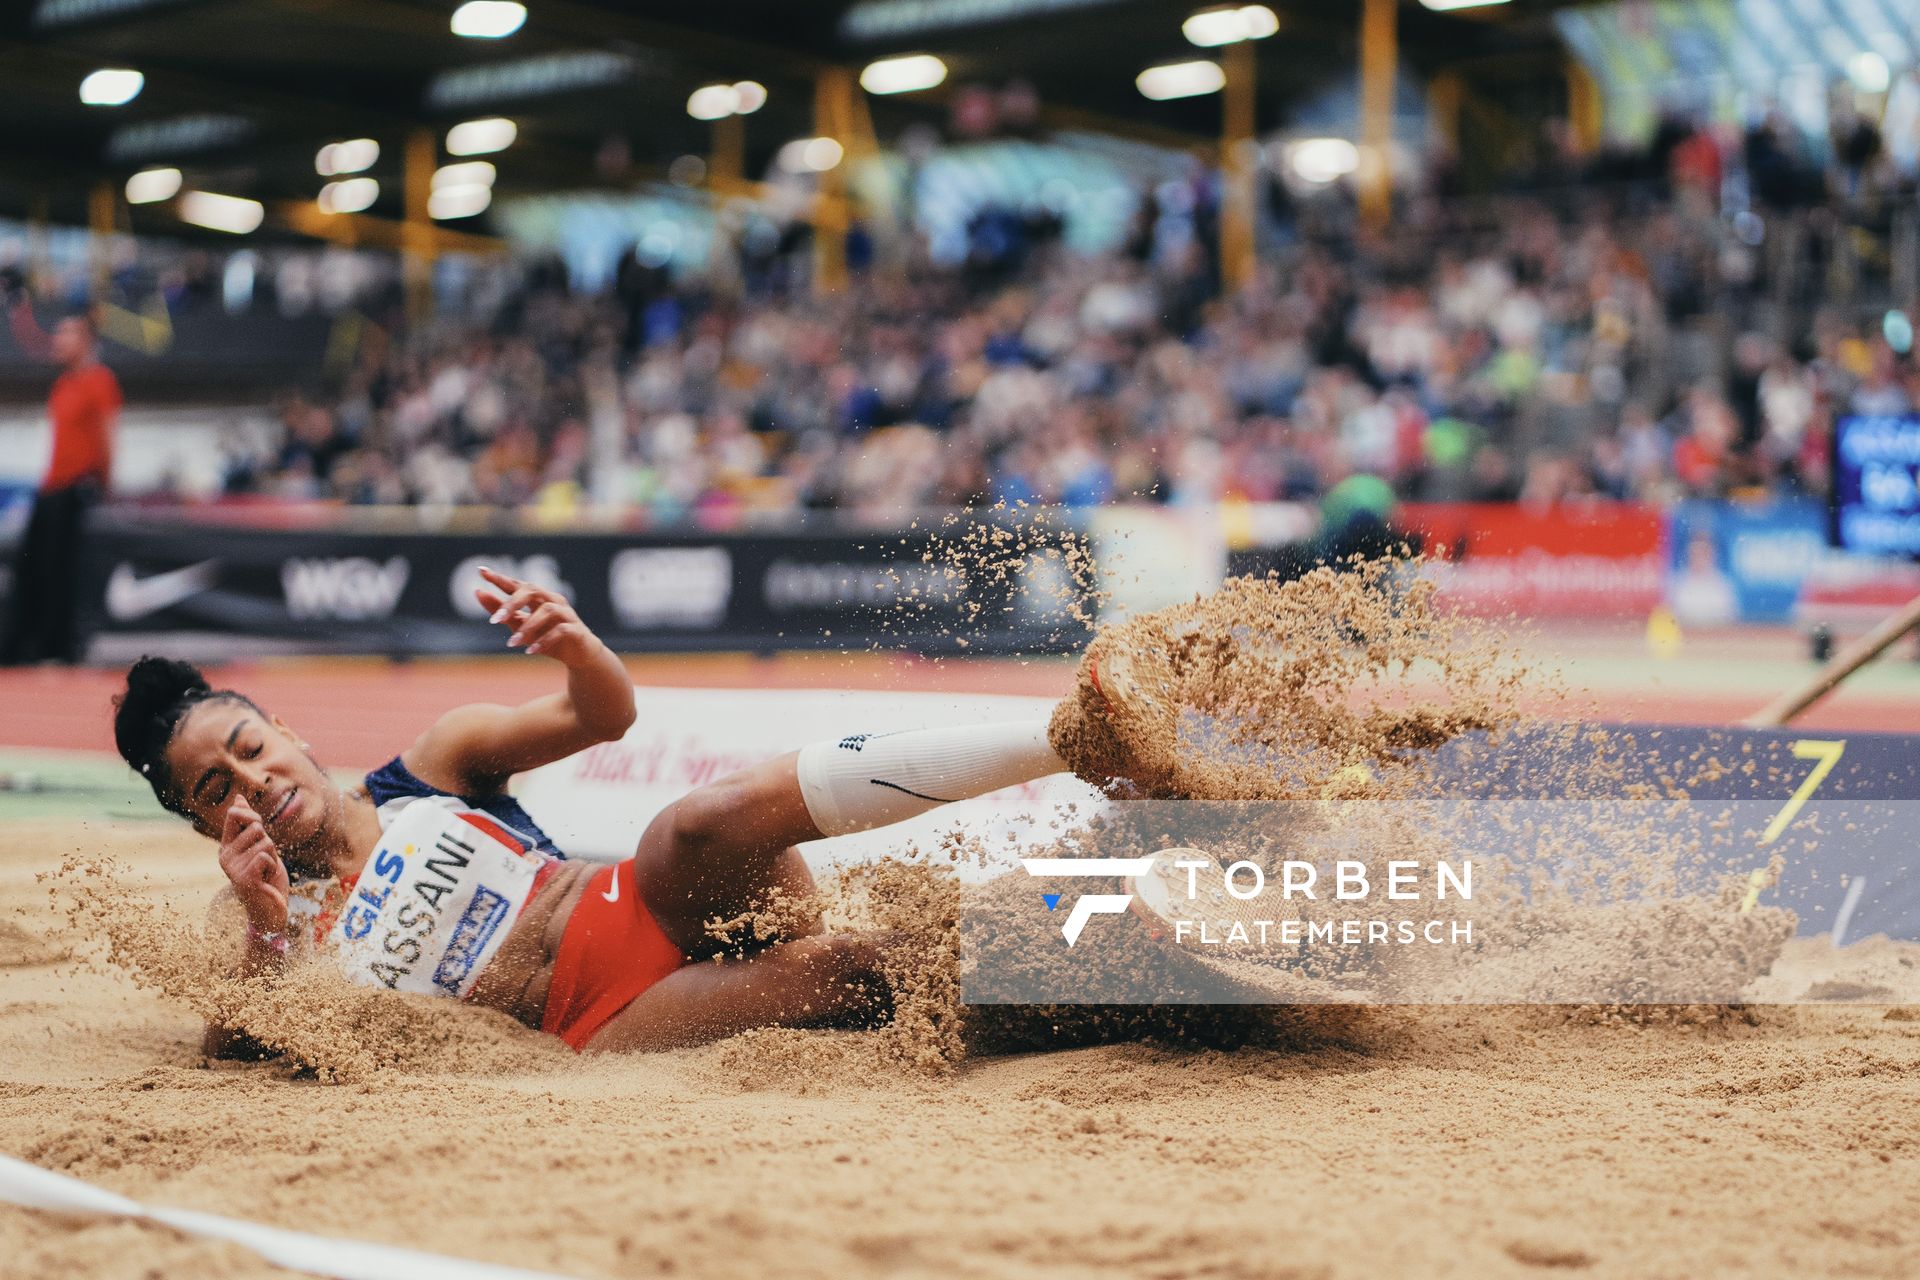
(1686,318)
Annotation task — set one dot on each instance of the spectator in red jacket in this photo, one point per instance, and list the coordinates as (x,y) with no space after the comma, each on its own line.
(83,406)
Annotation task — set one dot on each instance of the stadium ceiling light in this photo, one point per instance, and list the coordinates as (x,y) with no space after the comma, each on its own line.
(1443,6)
(231,214)
(150,186)
(810,155)
(1180,80)
(1323,160)
(718,101)
(470,173)
(349,196)
(821,154)
(351,156)
(713,102)
(481,137)
(748,97)
(460,88)
(111,87)
(1869,72)
(462,200)
(1211,28)
(909,74)
(488,19)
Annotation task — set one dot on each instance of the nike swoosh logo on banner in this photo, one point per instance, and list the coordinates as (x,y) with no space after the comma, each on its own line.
(613,894)
(130,596)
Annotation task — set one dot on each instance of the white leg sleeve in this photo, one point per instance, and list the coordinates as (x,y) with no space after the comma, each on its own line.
(868,780)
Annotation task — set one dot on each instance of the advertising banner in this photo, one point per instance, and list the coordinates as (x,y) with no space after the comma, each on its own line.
(412,592)
(16,504)
(1605,560)
(1738,562)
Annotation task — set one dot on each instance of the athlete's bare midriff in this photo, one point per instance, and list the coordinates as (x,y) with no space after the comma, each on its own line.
(516,981)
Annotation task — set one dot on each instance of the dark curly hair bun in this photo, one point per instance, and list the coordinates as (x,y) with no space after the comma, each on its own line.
(159,692)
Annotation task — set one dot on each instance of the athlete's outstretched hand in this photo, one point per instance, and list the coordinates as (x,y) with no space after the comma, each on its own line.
(252,862)
(480,745)
(541,620)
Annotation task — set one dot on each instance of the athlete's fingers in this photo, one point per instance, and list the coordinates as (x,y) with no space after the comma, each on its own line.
(525,599)
(246,858)
(239,814)
(266,874)
(256,860)
(557,635)
(508,611)
(539,618)
(490,600)
(507,584)
(539,622)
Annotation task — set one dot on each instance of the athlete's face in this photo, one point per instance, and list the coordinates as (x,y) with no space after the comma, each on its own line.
(225,750)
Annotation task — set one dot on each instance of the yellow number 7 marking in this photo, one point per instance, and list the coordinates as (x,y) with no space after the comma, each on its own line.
(1826,753)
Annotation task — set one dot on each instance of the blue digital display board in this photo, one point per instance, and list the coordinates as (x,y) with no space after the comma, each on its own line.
(1876,484)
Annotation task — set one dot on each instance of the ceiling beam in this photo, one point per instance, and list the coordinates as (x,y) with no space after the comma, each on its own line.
(359,230)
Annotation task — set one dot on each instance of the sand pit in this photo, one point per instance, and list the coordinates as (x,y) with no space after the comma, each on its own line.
(1310,1142)
(1465,1142)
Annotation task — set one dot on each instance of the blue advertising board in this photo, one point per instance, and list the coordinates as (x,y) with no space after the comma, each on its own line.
(1876,484)
(1742,562)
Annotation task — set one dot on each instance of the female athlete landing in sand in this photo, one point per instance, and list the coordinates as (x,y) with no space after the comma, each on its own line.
(603,957)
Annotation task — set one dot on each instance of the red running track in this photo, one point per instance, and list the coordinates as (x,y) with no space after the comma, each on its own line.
(358,712)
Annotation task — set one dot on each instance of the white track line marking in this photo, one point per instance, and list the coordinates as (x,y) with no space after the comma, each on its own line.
(1840,922)
(36,1188)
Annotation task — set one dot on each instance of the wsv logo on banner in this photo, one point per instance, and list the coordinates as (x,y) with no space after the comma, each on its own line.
(345,589)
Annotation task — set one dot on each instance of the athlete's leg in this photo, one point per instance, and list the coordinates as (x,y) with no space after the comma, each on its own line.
(722,849)
(808,982)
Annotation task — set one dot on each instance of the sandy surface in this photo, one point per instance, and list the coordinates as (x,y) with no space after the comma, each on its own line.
(1783,1141)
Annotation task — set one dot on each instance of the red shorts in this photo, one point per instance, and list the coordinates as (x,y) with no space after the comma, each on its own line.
(612,951)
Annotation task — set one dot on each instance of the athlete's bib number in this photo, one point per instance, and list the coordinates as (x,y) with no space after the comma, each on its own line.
(433,906)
